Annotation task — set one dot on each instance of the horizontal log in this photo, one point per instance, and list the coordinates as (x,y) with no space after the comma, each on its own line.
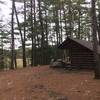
(90,63)
(80,52)
(82,58)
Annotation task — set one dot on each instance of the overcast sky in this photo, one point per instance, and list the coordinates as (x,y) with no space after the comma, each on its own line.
(4,13)
(6,9)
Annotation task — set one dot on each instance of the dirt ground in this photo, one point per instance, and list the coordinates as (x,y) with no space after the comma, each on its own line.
(43,83)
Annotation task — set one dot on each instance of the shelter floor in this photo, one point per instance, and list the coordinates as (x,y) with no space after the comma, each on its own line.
(43,83)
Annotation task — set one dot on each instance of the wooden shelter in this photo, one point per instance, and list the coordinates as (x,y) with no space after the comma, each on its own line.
(80,52)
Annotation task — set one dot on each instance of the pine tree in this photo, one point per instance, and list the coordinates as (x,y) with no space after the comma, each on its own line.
(12,36)
(95,42)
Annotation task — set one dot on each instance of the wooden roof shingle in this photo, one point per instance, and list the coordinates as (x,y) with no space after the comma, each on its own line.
(84,43)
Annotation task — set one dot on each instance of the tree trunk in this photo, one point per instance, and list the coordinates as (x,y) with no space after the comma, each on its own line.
(65,22)
(18,24)
(35,32)
(12,37)
(42,32)
(70,20)
(32,51)
(61,27)
(99,26)
(46,36)
(2,53)
(79,22)
(24,38)
(57,26)
(46,28)
(15,60)
(95,42)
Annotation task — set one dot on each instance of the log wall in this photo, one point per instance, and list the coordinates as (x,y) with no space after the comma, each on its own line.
(81,57)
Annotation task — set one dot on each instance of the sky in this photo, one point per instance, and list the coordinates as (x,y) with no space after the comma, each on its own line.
(6,17)
(5,9)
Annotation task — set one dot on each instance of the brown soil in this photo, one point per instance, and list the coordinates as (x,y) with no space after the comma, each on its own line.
(43,83)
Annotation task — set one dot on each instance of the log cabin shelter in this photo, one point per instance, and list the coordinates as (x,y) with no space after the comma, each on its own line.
(80,52)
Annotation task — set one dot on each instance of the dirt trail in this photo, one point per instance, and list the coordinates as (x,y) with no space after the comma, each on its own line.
(43,83)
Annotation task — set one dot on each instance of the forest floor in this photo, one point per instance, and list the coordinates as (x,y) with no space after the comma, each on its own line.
(43,83)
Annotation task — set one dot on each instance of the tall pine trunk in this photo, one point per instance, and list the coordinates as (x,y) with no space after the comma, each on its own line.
(57,26)
(99,25)
(41,31)
(24,37)
(64,17)
(12,37)
(61,26)
(19,27)
(79,22)
(33,33)
(95,42)
(46,37)
(2,54)
(70,19)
